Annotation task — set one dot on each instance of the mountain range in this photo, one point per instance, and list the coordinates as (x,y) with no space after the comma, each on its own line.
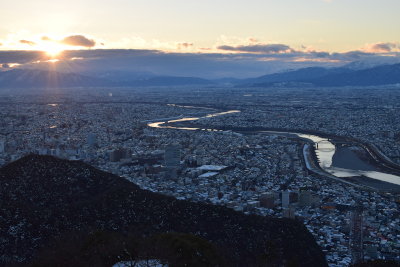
(353,74)
(380,75)
(43,198)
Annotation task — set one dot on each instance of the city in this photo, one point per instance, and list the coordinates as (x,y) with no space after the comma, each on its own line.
(244,148)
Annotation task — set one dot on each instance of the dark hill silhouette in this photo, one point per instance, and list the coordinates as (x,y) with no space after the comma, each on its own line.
(43,197)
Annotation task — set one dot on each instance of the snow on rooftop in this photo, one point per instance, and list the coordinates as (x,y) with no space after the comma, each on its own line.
(211,167)
(208,174)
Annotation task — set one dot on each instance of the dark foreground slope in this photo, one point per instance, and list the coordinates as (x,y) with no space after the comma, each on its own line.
(43,197)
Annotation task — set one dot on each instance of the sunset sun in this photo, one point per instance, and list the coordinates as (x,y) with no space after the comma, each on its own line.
(53,50)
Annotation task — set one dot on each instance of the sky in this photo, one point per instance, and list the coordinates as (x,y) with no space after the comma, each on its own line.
(209,39)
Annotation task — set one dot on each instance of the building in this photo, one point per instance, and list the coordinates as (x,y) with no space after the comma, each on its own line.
(285,199)
(289,213)
(172,155)
(267,200)
(91,139)
(308,198)
(117,155)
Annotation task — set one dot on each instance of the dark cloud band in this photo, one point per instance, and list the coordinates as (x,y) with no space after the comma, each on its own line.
(258,48)
(206,65)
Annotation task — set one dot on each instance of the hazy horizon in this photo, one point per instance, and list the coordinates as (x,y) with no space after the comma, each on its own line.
(209,40)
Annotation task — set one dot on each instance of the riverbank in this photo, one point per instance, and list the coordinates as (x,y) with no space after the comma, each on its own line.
(313,166)
(351,160)
(378,184)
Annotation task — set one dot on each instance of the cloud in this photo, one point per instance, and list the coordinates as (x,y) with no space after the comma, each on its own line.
(5,65)
(380,47)
(45,38)
(30,43)
(258,48)
(350,55)
(320,54)
(73,40)
(78,40)
(1,44)
(316,54)
(23,56)
(184,45)
(241,61)
(252,40)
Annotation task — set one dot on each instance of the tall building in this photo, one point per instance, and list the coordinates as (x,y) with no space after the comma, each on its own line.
(285,199)
(289,213)
(172,155)
(308,198)
(267,200)
(117,155)
(91,139)
(356,235)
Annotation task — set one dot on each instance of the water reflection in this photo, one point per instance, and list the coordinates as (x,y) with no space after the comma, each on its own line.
(160,124)
(343,162)
(340,162)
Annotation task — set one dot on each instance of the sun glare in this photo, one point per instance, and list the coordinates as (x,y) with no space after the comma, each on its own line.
(52,49)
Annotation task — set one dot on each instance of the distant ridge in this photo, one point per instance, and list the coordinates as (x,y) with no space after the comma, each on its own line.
(363,65)
(380,75)
(353,74)
(293,75)
(42,197)
(34,78)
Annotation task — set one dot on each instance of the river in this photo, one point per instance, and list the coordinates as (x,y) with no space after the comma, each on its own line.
(338,161)
(343,161)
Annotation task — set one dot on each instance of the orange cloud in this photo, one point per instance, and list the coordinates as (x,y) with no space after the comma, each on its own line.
(45,38)
(73,40)
(252,40)
(30,43)
(184,45)
(78,40)
(379,47)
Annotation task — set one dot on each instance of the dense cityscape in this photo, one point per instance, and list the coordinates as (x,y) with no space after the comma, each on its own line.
(192,144)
